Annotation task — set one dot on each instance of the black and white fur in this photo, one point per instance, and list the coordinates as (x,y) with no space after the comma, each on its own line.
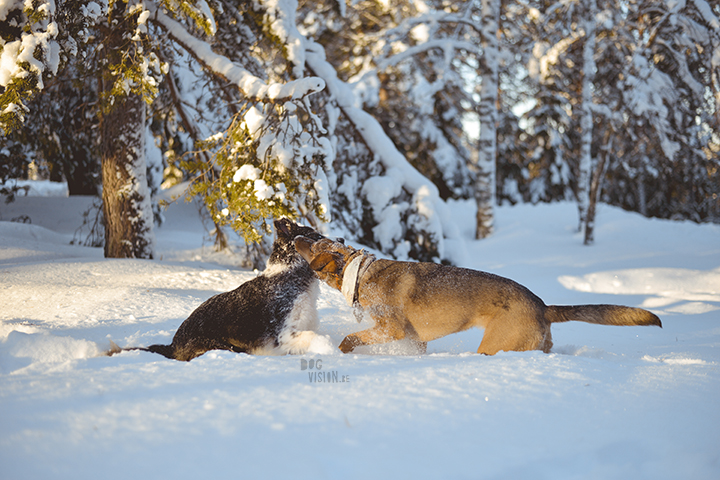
(274,313)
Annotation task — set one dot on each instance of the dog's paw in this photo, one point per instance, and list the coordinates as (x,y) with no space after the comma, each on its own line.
(307,341)
(348,344)
(321,345)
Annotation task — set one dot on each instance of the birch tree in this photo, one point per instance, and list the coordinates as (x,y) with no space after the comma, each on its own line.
(486,193)
(586,121)
(571,56)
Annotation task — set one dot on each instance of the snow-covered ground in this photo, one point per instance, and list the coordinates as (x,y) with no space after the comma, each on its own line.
(608,403)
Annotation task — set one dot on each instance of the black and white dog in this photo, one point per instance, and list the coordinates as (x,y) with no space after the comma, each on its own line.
(276,312)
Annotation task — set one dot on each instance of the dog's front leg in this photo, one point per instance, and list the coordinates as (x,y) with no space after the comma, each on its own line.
(349,343)
(371,336)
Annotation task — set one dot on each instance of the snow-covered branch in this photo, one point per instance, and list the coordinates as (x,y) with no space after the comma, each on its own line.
(280,17)
(442,44)
(437,17)
(433,216)
(24,60)
(252,87)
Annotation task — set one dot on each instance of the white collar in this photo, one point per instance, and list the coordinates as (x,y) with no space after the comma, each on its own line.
(351,279)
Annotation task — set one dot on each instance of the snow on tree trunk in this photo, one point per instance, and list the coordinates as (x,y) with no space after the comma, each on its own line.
(126,198)
(485,192)
(586,115)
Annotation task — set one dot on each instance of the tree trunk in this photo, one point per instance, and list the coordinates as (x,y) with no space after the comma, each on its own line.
(485,192)
(641,194)
(595,190)
(80,172)
(126,199)
(586,120)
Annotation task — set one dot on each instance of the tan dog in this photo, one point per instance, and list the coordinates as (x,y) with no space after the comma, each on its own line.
(426,301)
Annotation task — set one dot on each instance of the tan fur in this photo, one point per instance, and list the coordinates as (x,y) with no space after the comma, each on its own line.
(426,301)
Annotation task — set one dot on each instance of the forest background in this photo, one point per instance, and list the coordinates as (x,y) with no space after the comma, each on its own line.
(368,113)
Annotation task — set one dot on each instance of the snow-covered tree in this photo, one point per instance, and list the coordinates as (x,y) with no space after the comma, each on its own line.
(127,209)
(671,92)
(486,195)
(565,65)
(553,120)
(355,111)
(586,114)
(394,62)
(61,132)
(243,119)
(130,69)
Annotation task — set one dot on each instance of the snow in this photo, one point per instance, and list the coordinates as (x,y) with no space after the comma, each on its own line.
(247,172)
(399,173)
(6,6)
(37,188)
(248,83)
(35,47)
(707,13)
(254,119)
(608,402)
(280,17)
(263,191)
(93,10)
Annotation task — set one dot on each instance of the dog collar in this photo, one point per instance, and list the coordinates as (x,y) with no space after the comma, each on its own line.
(351,280)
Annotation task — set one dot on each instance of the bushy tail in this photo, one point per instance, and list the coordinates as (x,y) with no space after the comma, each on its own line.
(601,315)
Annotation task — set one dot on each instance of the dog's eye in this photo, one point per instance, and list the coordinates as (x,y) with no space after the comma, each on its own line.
(341,240)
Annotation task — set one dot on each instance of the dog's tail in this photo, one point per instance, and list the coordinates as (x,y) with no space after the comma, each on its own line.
(601,315)
(164,350)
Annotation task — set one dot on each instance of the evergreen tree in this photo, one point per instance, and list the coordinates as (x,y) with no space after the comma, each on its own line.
(553,118)
(400,61)
(356,111)
(671,92)
(61,130)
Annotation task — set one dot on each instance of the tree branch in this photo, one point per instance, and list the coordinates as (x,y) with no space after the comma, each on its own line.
(253,88)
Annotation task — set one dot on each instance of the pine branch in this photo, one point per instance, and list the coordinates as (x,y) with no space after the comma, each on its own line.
(253,88)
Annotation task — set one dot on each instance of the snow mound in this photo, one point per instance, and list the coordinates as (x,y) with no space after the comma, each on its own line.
(679,360)
(26,231)
(23,349)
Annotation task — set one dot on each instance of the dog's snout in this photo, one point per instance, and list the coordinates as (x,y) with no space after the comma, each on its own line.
(302,244)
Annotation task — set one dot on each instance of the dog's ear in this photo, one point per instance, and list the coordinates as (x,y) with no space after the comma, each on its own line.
(326,262)
(282,226)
